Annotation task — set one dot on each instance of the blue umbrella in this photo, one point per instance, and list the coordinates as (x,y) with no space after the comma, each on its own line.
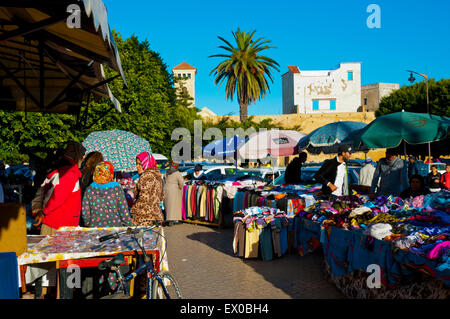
(223,147)
(118,147)
(326,139)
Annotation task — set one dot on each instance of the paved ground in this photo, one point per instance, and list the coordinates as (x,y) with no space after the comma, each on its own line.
(201,259)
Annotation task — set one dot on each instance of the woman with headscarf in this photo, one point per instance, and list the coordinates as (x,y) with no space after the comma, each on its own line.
(58,200)
(149,192)
(104,203)
(173,192)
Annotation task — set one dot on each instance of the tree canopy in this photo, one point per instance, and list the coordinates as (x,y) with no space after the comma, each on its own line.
(413,98)
(244,69)
(150,109)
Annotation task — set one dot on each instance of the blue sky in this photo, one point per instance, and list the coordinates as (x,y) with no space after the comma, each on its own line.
(312,35)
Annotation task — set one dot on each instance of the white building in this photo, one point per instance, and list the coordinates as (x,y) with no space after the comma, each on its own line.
(326,91)
(187,73)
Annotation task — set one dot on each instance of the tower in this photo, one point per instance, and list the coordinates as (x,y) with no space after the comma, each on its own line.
(186,73)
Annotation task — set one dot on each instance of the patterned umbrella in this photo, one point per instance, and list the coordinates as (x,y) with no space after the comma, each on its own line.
(326,139)
(118,147)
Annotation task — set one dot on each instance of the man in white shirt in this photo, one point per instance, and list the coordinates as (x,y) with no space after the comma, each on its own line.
(333,174)
(366,173)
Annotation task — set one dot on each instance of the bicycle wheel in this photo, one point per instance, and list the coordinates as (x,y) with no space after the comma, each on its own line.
(170,284)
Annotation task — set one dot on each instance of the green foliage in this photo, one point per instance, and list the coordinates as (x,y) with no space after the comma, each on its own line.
(244,69)
(413,98)
(149,109)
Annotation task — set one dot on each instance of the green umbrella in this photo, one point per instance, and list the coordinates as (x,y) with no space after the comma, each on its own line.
(390,130)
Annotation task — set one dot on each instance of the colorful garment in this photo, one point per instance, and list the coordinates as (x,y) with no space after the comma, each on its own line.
(104,205)
(103,173)
(149,194)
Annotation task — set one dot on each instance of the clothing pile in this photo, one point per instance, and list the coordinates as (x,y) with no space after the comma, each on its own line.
(420,226)
(261,231)
(292,199)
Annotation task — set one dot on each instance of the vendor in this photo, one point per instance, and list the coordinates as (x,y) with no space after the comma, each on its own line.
(390,176)
(333,174)
(416,187)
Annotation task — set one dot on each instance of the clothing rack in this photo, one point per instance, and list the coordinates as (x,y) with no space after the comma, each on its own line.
(201,203)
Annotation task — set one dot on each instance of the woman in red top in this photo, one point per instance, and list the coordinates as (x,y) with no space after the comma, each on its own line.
(60,193)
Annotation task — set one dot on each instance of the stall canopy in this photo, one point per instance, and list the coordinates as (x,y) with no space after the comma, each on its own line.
(52,57)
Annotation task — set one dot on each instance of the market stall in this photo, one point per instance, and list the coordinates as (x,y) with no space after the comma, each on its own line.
(402,237)
(81,247)
(208,201)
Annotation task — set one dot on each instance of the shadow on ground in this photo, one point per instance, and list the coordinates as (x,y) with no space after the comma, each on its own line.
(297,276)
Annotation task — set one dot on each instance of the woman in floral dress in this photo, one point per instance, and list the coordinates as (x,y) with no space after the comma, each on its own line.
(104,203)
(149,192)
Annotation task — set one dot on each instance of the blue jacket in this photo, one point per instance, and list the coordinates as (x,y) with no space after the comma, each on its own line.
(392,177)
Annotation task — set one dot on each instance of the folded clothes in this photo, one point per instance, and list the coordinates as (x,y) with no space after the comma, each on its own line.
(379,231)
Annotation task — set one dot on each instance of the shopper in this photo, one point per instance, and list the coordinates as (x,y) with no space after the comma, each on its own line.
(149,192)
(445,178)
(198,173)
(333,174)
(413,167)
(104,203)
(390,176)
(173,192)
(416,187)
(294,169)
(434,179)
(366,173)
(58,201)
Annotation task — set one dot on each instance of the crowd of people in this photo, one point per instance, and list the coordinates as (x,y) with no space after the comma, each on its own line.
(391,176)
(83,190)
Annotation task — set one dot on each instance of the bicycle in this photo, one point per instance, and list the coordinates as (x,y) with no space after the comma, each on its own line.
(155,286)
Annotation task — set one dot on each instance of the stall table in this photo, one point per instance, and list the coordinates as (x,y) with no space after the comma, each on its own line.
(80,246)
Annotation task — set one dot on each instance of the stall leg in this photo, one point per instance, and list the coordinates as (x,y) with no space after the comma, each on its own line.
(64,291)
(38,288)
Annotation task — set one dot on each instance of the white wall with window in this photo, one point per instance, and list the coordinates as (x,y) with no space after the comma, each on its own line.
(336,90)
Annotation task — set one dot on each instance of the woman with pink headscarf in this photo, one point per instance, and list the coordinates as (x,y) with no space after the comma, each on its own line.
(149,192)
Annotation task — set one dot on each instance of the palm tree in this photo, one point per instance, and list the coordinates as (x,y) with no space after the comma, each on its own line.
(244,69)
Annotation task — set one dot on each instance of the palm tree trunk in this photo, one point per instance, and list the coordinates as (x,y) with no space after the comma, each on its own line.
(243,111)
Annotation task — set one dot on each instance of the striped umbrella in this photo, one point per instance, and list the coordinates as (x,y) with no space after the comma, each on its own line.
(118,147)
